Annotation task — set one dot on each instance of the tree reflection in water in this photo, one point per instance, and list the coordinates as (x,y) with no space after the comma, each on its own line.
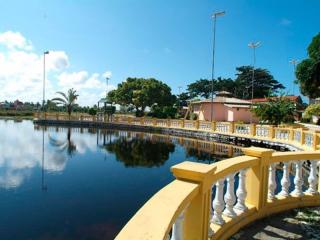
(67,145)
(203,156)
(140,152)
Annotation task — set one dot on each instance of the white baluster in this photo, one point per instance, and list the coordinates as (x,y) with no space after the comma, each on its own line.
(241,192)
(298,180)
(218,204)
(272,182)
(177,233)
(230,198)
(285,181)
(313,179)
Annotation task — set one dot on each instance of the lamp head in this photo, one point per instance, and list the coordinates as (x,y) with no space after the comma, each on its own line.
(218,14)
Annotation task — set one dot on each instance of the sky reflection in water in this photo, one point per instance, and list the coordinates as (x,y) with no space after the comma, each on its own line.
(60,183)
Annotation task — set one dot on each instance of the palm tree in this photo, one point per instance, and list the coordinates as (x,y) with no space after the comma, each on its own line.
(68,100)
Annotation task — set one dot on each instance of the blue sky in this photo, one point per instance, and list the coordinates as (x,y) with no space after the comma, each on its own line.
(168,40)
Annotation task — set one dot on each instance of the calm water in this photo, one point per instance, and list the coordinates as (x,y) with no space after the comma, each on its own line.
(60,183)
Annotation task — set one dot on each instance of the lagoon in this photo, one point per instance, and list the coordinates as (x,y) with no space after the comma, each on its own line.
(71,183)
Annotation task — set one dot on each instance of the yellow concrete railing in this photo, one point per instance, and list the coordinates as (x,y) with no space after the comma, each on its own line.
(298,137)
(203,203)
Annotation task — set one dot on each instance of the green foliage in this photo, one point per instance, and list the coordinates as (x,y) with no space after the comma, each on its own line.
(263,84)
(313,109)
(275,111)
(141,93)
(14,113)
(67,100)
(92,111)
(163,112)
(241,87)
(308,71)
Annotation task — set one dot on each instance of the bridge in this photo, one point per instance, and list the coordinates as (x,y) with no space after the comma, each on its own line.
(204,202)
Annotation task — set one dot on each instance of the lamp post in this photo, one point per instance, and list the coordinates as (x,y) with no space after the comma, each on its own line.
(294,62)
(44,80)
(107,81)
(253,45)
(179,96)
(214,16)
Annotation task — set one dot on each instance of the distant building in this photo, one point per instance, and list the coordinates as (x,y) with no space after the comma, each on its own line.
(225,108)
(17,105)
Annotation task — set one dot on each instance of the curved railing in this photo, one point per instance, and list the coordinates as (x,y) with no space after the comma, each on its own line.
(216,200)
(205,202)
(299,137)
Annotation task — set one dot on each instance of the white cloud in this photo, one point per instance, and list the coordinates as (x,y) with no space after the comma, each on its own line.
(18,166)
(15,40)
(89,87)
(21,73)
(57,60)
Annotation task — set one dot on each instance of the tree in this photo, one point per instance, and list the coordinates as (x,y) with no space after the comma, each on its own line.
(308,71)
(67,100)
(275,111)
(264,83)
(200,88)
(142,93)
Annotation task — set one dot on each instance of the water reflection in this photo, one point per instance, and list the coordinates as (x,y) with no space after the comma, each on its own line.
(66,145)
(140,152)
(50,149)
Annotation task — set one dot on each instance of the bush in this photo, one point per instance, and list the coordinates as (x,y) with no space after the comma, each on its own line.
(163,112)
(275,111)
(92,111)
(313,109)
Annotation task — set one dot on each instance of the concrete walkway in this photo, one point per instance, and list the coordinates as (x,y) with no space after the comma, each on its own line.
(295,224)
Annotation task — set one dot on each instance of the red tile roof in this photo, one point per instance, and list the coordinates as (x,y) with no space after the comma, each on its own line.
(292,98)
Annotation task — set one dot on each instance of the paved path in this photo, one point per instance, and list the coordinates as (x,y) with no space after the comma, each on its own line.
(295,224)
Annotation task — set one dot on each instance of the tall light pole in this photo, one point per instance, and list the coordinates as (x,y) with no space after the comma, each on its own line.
(179,96)
(107,81)
(253,45)
(294,62)
(44,80)
(214,16)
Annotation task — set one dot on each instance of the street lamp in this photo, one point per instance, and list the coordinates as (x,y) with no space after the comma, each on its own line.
(107,81)
(214,16)
(253,46)
(179,87)
(44,79)
(294,62)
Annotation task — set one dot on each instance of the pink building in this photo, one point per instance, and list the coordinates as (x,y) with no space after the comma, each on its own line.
(225,108)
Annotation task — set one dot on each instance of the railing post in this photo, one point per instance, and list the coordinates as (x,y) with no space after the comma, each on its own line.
(213,126)
(142,121)
(253,128)
(302,140)
(257,177)
(182,123)
(231,127)
(129,120)
(291,135)
(169,123)
(57,116)
(197,214)
(45,116)
(315,141)
(81,118)
(197,124)
(271,132)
